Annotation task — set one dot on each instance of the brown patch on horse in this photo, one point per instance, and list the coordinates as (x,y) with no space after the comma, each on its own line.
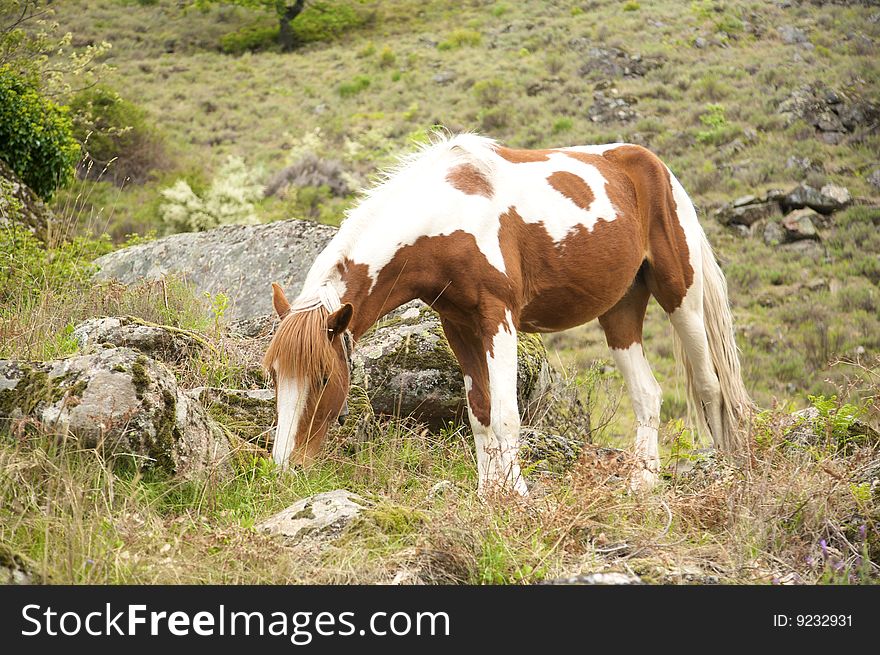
(670,274)
(468,179)
(569,283)
(300,347)
(515,156)
(572,187)
(623,323)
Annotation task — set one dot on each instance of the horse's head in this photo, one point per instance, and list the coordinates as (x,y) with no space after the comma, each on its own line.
(309,360)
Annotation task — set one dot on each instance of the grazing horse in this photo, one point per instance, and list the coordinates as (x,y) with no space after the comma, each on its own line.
(499,240)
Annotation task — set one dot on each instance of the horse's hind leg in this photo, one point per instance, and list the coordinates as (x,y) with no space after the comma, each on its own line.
(623,332)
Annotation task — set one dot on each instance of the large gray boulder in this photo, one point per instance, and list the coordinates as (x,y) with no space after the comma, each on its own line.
(240,261)
(119,401)
(406,367)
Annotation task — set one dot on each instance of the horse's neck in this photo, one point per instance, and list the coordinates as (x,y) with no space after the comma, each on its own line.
(371,301)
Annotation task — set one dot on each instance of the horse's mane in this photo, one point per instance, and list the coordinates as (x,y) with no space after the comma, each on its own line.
(300,347)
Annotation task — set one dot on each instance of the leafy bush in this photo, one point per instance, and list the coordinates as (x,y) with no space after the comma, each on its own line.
(718,131)
(116,136)
(229,200)
(252,38)
(358,84)
(460,38)
(36,137)
(323,21)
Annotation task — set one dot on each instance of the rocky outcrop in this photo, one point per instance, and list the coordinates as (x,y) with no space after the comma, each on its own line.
(162,342)
(610,107)
(787,218)
(406,367)
(20,206)
(116,400)
(240,261)
(317,520)
(833,113)
(604,63)
(17,569)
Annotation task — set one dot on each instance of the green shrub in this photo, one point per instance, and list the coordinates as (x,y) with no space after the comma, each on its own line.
(489,92)
(323,21)
(562,125)
(387,58)
(116,135)
(252,38)
(228,201)
(631,6)
(460,38)
(718,131)
(36,137)
(358,84)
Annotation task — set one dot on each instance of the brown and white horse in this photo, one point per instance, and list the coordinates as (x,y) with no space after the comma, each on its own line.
(499,240)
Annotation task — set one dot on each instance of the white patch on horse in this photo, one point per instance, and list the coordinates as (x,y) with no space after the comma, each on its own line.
(291,406)
(417,201)
(646,396)
(504,420)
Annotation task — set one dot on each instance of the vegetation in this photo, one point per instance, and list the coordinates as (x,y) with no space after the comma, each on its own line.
(369,78)
(35,135)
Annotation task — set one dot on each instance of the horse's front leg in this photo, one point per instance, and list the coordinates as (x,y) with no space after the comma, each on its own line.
(488,360)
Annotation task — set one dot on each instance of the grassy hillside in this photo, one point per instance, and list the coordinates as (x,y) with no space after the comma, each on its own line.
(701,83)
(526,73)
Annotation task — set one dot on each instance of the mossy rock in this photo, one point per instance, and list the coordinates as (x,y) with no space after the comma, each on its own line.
(117,401)
(406,367)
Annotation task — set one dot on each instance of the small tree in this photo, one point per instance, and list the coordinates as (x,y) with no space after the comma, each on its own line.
(285,10)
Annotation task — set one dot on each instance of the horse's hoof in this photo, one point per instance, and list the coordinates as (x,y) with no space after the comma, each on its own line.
(643,481)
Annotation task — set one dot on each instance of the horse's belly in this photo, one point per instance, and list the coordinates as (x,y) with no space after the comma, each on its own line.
(561,309)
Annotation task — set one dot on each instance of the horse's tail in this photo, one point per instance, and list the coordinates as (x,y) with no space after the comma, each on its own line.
(718,322)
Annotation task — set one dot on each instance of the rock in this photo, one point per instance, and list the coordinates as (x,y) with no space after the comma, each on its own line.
(806,248)
(119,401)
(248,413)
(831,112)
(773,233)
(874,178)
(444,77)
(791,35)
(606,578)
(827,200)
(798,225)
(549,452)
(604,63)
(162,342)
(257,327)
(406,367)
(240,261)
(16,569)
(317,520)
(749,211)
(612,108)
(21,206)
(808,427)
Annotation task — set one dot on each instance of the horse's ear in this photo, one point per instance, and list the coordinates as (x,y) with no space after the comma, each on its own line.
(282,307)
(338,321)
